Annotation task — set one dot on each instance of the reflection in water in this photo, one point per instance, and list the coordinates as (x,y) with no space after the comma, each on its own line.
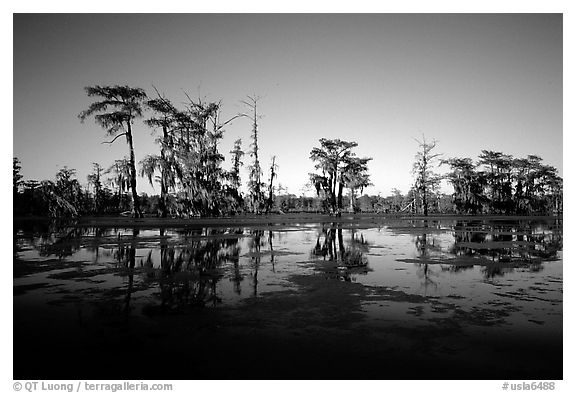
(189,273)
(333,247)
(425,245)
(507,243)
(437,276)
(271,248)
(255,243)
(125,255)
(348,257)
(187,265)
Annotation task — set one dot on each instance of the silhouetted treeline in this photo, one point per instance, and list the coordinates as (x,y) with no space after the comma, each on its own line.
(187,167)
(107,194)
(502,184)
(66,197)
(188,163)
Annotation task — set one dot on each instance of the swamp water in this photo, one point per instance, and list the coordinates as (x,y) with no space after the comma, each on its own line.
(386,299)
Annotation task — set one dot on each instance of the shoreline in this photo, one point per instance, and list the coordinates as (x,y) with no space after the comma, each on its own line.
(270,219)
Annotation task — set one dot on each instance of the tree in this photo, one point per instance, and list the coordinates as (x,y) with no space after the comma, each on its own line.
(94,180)
(505,184)
(330,159)
(16,176)
(547,195)
(116,112)
(273,174)
(234,174)
(120,171)
(396,200)
(237,154)
(355,177)
(148,166)
(468,194)
(197,161)
(63,197)
(426,181)
(521,169)
(255,184)
(67,184)
(32,201)
(165,115)
(498,180)
(57,206)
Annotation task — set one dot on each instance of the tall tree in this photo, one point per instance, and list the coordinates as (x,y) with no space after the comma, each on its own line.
(198,162)
(355,176)
(255,184)
(330,159)
(115,112)
(237,154)
(426,180)
(164,117)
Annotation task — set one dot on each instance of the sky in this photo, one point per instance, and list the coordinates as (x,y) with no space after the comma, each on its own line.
(469,81)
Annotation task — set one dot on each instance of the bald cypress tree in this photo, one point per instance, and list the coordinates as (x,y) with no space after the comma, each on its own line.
(164,118)
(116,111)
(255,184)
(426,180)
(330,159)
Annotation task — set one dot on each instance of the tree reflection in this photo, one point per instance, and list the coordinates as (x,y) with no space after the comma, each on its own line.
(188,276)
(503,241)
(60,241)
(271,247)
(348,256)
(237,276)
(254,245)
(126,257)
(424,245)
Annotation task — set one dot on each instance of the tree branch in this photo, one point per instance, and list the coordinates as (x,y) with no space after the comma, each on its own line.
(117,136)
(229,120)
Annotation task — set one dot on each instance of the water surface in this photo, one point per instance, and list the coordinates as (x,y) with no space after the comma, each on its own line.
(392,299)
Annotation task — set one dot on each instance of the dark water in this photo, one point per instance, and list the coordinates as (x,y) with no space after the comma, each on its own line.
(381,300)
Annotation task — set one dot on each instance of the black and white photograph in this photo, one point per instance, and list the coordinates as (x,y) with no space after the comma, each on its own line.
(288,196)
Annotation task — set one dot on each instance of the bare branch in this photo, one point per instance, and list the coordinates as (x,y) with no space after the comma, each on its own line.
(117,136)
(157,92)
(230,120)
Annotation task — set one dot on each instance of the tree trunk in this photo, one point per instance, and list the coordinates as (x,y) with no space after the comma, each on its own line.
(332,192)
(162,205)
(271,186)
(120,180)
(137,213)
(162,208)
(341,244)
(340,188)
